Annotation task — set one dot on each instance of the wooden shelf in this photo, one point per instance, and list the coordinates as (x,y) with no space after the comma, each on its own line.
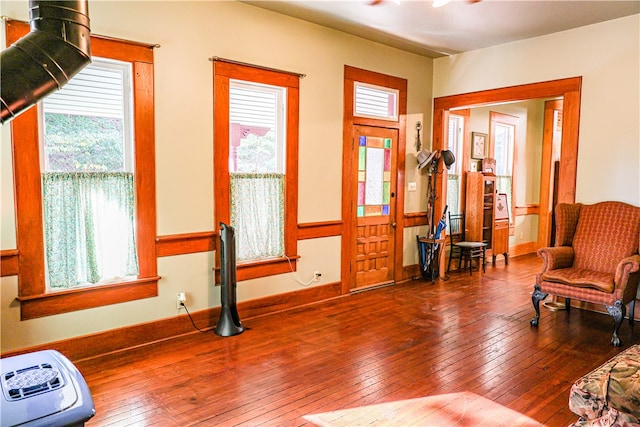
(480,222)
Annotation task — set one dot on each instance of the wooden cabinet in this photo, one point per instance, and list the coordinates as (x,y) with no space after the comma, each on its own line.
(480,207)
(501,240)
(480,217)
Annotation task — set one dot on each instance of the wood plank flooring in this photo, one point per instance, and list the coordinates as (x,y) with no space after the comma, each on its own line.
(408,341)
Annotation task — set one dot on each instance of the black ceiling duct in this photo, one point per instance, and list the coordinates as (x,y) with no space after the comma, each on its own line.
(57,48)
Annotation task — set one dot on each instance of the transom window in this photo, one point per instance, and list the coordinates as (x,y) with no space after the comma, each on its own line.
(375,101)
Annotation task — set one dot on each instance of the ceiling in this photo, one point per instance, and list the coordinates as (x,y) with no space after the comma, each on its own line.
(416,26)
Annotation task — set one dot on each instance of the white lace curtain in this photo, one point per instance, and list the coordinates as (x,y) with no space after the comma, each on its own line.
(89,227)
(257,214)
(453,193)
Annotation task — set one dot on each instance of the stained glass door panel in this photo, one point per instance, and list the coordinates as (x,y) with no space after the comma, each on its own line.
(375,167)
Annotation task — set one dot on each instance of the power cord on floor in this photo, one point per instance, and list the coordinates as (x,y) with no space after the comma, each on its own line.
(191,318)
(193,323)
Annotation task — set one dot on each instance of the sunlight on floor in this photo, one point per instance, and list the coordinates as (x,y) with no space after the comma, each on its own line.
(455,409)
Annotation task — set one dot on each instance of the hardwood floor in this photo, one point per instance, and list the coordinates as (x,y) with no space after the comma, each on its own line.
(411,340)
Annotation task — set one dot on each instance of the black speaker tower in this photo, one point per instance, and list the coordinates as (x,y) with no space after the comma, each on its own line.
(229,323)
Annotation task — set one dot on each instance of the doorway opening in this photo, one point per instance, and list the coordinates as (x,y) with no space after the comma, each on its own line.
(553,188)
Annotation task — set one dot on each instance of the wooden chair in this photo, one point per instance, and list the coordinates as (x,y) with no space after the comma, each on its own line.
(467,251)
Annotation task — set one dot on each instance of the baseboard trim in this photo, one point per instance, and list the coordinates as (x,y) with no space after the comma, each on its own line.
(115,340)
(411,272)
(522,249)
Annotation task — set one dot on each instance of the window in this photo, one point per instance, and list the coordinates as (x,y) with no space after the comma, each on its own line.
(256,116)
(375,102)
(257,151)
(88,179)
(503,143)
(98,146)
(455,145)
(503,140)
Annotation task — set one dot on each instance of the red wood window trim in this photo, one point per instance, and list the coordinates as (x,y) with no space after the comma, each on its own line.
(34,299)
(222,72)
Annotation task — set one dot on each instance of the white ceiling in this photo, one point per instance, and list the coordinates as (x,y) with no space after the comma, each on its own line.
(416,26)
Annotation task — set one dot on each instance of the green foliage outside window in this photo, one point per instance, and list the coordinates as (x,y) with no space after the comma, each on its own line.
(76,143)
(257,154)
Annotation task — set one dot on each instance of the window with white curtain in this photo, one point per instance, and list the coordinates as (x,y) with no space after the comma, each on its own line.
(256,115)
(454,144)
(257,153)
(87,178)
(504,145)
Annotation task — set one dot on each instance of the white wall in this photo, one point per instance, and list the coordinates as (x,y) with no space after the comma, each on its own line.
(607,56)
(190,33)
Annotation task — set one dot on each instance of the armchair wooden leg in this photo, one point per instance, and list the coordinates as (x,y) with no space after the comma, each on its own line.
(567,304)
(632,311)
(536,297)
(617,311)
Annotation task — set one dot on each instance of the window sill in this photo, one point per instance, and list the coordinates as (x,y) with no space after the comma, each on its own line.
(41,305)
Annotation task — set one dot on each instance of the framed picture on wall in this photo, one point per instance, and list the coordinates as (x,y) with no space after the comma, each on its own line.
(478,142)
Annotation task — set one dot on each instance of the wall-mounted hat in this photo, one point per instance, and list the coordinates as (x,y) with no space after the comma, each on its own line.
(448,158)
(425,157)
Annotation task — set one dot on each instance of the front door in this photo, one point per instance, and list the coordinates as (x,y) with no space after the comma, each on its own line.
(373,207)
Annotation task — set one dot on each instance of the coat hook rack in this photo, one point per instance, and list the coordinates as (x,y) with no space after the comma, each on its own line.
(418,142)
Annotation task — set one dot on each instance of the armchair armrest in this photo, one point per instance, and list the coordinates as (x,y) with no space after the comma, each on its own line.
(556,257)
(627,277)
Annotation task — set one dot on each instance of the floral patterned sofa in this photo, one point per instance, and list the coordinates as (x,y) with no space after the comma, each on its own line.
(610,394)
(595,259)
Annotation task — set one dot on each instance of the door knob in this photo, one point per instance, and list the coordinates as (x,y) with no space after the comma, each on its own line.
(393,224)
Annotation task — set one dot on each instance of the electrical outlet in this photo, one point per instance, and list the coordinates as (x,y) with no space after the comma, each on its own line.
(316,276)
(180,300)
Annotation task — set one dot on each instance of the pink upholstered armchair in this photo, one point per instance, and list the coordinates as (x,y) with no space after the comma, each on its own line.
(595,259)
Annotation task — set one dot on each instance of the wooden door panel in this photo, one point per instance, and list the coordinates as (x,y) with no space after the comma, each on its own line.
(373,257)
